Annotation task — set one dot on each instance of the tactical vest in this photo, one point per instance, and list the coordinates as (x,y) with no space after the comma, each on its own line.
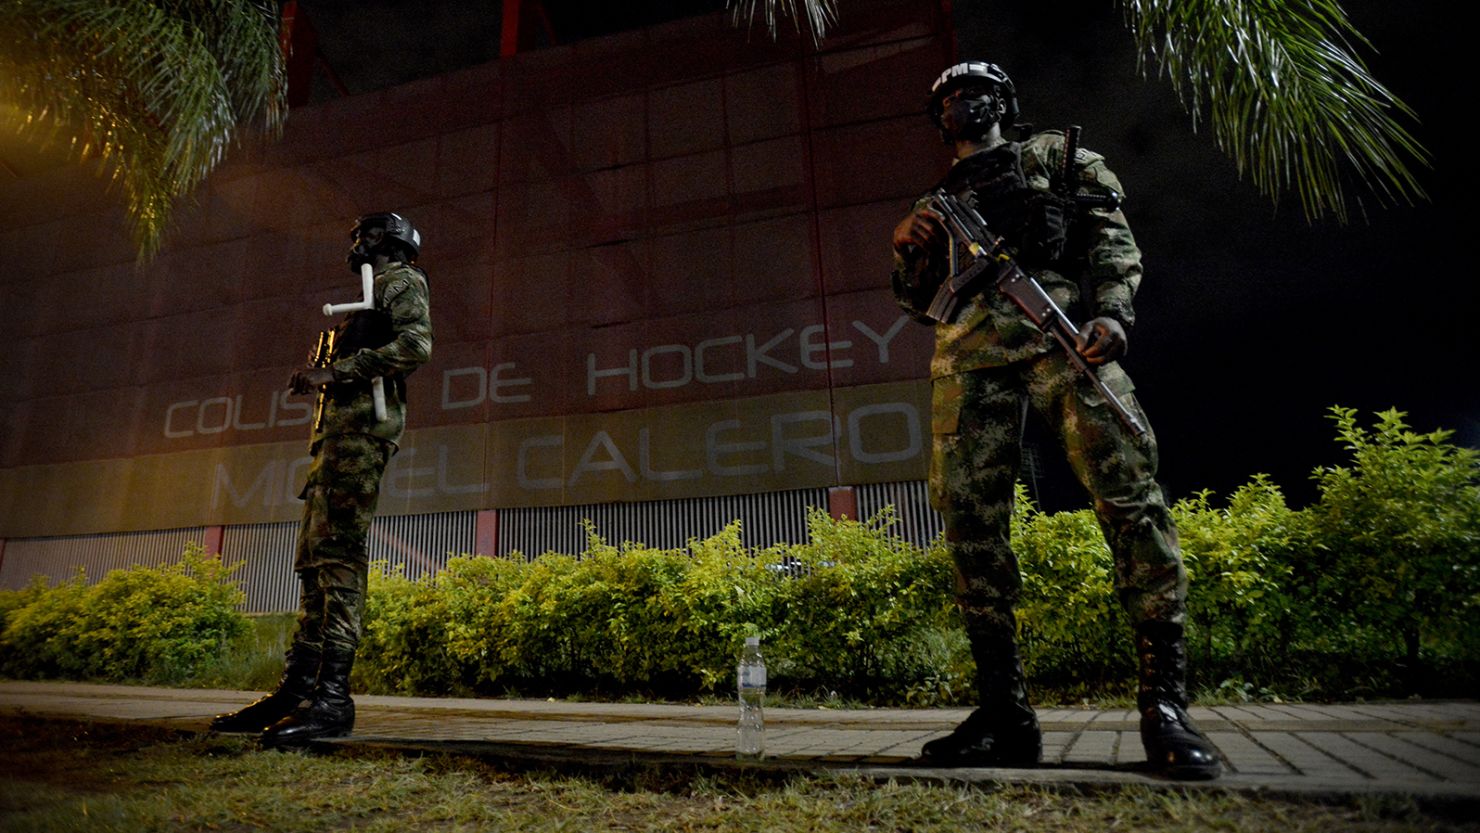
(365,329)
(1032,221)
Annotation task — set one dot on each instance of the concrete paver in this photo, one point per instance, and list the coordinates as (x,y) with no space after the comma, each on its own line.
(1246,756)
(1054,746)
(1363,758)
(1091,747)
(1434,764)
(1307,759)
(1465,753)
(1429,750)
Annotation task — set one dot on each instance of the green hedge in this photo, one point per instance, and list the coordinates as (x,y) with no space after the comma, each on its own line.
(857,611)
(157,625)
(1372,590)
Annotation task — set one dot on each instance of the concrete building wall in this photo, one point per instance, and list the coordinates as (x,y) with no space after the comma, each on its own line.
(658,265)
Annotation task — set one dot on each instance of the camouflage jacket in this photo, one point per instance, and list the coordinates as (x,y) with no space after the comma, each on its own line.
(402,317)
(1099,254)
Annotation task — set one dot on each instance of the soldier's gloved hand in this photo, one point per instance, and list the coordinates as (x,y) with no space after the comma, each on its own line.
(1102,340)
(310,379)
(921,229)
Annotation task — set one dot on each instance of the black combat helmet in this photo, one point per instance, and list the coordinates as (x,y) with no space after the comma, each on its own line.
(974,72)
(398,233)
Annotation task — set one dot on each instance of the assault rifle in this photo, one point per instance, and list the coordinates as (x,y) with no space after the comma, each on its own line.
(990,260)
(323,356)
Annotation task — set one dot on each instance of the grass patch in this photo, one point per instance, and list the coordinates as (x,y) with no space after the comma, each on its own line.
(255,661)
(62,776)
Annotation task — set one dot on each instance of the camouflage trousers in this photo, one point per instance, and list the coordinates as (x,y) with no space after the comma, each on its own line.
(332,562)
(977,421)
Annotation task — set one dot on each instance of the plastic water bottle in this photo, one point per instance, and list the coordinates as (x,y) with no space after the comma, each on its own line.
(750,739)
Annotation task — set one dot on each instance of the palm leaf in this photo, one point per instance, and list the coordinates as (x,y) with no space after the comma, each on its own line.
(154,91)
(817,15)
(1286,94)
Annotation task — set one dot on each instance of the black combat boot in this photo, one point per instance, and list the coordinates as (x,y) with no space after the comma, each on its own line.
(1003,731)
(331,714)
(299,673)
(1173,745)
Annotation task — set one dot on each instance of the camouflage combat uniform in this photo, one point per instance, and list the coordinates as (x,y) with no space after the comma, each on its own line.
(992,363)
(350,451)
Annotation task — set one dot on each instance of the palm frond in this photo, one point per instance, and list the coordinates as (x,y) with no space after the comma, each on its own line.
(816,14)
(1287,96)
(155,91)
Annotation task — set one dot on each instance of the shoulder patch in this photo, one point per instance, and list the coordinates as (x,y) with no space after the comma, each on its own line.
(404,274)
(394,289)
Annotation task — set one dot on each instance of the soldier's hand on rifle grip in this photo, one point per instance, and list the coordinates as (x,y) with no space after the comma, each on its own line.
(920,229)
(1102,340)
(310,379)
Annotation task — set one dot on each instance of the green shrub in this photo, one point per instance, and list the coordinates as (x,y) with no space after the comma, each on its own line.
(164,624)
(13,600)
(36,641)
(1395,565)
(1075,636)
(866,615)
(723,593)
(253,661)
(404,643)
(1372,590)
(616,619)
(1317,601)
(1240,559)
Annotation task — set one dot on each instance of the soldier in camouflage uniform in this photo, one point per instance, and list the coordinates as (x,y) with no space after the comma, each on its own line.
(351,448)
(991,364)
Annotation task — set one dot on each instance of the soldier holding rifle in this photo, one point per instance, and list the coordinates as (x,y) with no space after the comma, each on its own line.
(1037,223)
(388,335)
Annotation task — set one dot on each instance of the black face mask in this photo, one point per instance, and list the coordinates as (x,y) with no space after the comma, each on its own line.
(365,244)
(970,118)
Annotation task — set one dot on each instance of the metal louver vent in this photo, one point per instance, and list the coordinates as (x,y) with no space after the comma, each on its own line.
(915,521)
(765,519)
(59,558)
(418,544)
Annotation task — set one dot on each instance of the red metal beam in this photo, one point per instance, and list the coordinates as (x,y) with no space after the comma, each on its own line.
(212,539)
(842,502)
(300,43)
(510,38)
(485,532)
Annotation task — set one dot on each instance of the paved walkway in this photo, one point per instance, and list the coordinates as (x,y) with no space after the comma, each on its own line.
(1430,750)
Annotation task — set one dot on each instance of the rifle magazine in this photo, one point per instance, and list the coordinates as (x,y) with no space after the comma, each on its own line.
(943,307)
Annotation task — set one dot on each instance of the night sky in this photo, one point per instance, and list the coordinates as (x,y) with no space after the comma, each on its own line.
(1252,322)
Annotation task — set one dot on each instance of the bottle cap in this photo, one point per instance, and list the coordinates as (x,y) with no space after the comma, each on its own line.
(752,640)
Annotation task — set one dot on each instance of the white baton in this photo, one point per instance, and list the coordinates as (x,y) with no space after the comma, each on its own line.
(367,284)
